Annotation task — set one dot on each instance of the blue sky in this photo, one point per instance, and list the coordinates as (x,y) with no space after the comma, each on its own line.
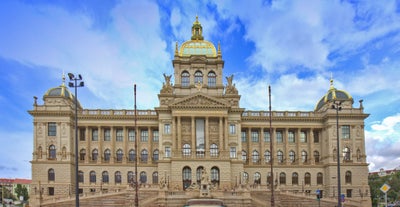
(295,46)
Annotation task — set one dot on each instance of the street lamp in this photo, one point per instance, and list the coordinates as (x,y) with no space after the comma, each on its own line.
(74,84)
(271,149)
(337,105)
(136,157)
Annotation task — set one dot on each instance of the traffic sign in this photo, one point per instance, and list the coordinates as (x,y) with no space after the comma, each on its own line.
(385,188)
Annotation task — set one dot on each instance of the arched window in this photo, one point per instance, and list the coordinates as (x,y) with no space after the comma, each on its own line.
(212,80)
(215,175)
(348,177)
(155,155)
(144,156)
(316,156)
(257,178)
(267,156)
(280,156)
(245,177)
(214,150)
(199,172)
(307,179)
(185,79)
(186,177)
(107,155)
(198,77)
(292,156)
(143,177)
(255,157)
(346,154)
(295,178)
(282,178)
(95,154)
(51,174)
(82,154)
(130,177)
(104,177)
(320,179)
(80,177)
(92,176)
(52,152)
(117,177)
(186,150)
(120,155)
(132,155)
(244,156)
(155,177)
(304,156)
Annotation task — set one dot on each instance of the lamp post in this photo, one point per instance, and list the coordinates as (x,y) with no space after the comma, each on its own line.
(136,157)
(271,149)
(337,105)
(74,84)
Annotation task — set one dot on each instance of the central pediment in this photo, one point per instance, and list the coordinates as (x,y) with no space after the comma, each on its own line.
(199,100)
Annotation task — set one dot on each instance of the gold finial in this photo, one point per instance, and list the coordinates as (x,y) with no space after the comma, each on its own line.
(63,79)
(219,49)
(331,82)
(176,48)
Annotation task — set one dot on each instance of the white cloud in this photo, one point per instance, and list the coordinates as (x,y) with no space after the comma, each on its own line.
(383,143)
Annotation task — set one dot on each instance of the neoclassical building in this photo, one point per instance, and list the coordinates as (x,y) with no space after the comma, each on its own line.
(198,142)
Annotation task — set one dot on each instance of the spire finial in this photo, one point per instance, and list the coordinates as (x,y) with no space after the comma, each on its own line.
(63,79)
(176,48)
(219,49)
(331,82)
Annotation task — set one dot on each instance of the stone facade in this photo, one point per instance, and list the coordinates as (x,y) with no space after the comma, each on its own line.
(198,127)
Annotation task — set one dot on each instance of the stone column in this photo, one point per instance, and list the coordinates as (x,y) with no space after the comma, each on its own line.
(207,138)
(193,130)
(221,140)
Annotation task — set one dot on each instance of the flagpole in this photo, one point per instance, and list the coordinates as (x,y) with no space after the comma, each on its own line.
(271,149)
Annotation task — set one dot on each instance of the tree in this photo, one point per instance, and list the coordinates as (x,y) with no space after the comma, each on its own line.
(21,190)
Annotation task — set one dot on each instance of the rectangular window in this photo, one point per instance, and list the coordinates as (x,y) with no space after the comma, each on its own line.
(254,136)
(303,136)
(52,131)
(291,137)
(95,135)
(244,136)
(346,132)
(155,136)
(167,151)
(267,136)
(279,137)
(232,152)
(131,135)
(51,191)
(232,129)
(107,134)
(120,135)
(82,134)
(316,137)
(144,136)
(348,193)
(167,129)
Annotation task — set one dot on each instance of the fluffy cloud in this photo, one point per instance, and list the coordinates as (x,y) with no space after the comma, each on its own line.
(383,143)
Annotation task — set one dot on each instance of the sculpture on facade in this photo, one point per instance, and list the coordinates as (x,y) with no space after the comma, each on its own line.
(167,86)
(230,88)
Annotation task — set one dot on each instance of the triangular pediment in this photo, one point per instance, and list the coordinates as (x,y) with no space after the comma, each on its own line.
(199,101)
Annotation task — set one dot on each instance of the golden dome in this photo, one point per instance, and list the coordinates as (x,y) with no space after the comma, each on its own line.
(197,45)
(333,94)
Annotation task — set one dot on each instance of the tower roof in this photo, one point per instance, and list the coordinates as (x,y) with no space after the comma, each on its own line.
(197,45)
(333,94)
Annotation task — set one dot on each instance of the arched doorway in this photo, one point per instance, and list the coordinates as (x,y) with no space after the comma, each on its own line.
(215,176)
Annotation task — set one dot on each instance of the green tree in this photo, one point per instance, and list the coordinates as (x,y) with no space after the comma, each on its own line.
(21,190)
